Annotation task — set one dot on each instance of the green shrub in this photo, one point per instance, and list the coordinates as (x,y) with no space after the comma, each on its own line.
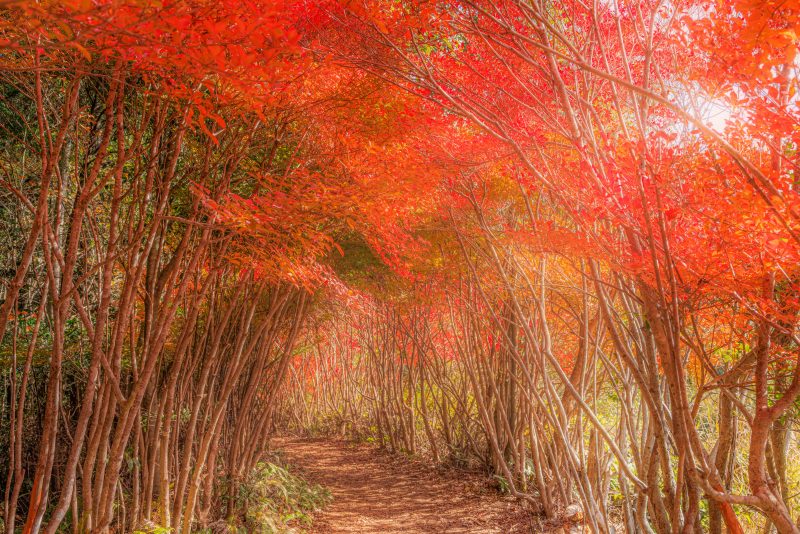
(273,500)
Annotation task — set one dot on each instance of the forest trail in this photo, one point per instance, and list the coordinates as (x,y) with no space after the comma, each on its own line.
(375,492)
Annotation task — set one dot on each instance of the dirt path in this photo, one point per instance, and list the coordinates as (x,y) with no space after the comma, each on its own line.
(374,492)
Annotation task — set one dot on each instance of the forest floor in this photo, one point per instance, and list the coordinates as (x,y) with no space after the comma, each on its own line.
(376,492)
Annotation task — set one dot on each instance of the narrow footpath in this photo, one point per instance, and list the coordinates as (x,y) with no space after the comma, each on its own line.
(375,492)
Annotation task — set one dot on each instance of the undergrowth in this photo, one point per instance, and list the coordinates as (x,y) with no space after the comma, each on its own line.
(277,501)
(271,501)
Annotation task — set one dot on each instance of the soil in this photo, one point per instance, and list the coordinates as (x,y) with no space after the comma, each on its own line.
(376,492)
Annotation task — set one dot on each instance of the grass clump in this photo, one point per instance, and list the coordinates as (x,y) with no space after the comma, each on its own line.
(273,501)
